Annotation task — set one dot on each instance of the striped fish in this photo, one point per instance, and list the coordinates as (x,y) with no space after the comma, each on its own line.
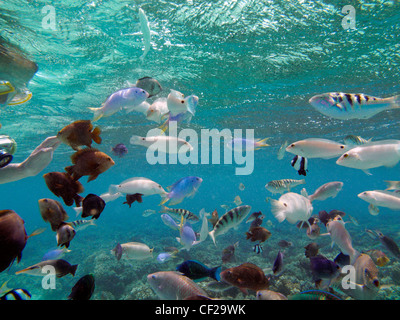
(352,140)
(280,186)
(346,106)
(16,294)
(179,213)
(229,220)
(82,224)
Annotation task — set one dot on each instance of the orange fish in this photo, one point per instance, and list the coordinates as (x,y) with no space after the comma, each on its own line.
(89,162)
(62,185)
(258,234)
(79,133)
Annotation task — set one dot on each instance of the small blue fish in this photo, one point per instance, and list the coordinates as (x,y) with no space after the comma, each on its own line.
(187,236)
(168,221)
(55,254)
(164,257)
(120,150)
(198,271)
(185,187)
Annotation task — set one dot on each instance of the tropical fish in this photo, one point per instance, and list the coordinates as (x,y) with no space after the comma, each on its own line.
(258,234)
(138,185)
(277,267)
(285,244)
(133,250)
(119,99)
(61,267)
(171,285)
(164,257)
(314,295)
(311,249)
(283,185)
(184,187)
(214,218)
(241,186)
(257,248)
(314,231)
(55,254)
(325,217)
(379,257)
(317,148)
(169,222)
(148,212)
(254,216)
(150,85)
(372,155)
(341,237)
(89,162)
(13,238)
(52,212)
(187,235)
(92,206)
(345,106)
(80,225)
(257,222)
(229,220)
(119,150)
(178,213)
(373,210)
(228,254)
(246,276)
(157,110)
(131,198)
(327,190)
(389,243)
(292,207)
(392,185)
(352,140)
(241,144)
(16,294)
(65,234)
(237,201)
(282,149)
(269,295)
(300,164)
(323,269)
(166,144)
(83,289)
(145,28)
(62,185)
(198,271)
(79,133)
(204,225)
(381,198)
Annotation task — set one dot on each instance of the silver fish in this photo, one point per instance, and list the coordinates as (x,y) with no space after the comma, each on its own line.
(352,140)
(229,220)
(280,186)
(346,106)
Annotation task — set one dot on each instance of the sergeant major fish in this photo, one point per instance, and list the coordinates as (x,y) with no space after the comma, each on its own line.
(178,213)
(345,106)
(229,220)
(281,186)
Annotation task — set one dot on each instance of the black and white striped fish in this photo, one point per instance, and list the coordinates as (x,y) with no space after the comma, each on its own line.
(300,164)
(352,140)
(346,106)
(229,220)
(16,294)
(178,213)
(257,248)
(82,224)
(280,186)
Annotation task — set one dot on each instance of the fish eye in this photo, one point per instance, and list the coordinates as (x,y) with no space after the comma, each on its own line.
(153,276)
(341,147)
(143,139)
(292,145)
(182,101)
(345,155)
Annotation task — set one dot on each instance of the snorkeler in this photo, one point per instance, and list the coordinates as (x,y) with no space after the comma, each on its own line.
(39,159)
(15,73)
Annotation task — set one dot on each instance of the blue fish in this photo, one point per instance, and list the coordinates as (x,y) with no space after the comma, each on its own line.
(55,254)
(168,221)
(198,271)
(164,257)
(185,187)
(120,150)
(187,236)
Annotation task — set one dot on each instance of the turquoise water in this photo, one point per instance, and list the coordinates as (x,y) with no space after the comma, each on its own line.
(253,65)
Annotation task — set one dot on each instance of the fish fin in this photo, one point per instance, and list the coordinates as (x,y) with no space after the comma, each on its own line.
(304,193)
(391,185)
(97,113)
(215,273)
(367,172)
(37,232)
(164,126)
(261,143)
(211,234)
(278,210)
(96,135)
(396,102)
(92,177)
(164,199)
(4,287)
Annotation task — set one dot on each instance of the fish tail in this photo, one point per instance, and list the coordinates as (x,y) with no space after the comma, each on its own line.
(215,273)
(97,113)
(278,210)
(73,269)
(303,181)
(37,231)
(395,102)
(261,143)
(96,135)
(211,233)
(391,185)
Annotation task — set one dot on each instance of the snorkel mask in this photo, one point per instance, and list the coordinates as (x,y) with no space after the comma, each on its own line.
(8,147)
